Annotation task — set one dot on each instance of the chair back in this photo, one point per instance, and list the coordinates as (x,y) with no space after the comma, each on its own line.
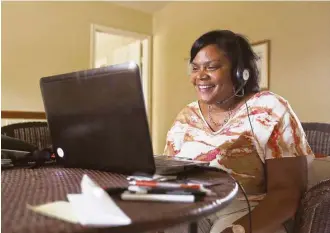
(318,137)
(313,215)
(35,133)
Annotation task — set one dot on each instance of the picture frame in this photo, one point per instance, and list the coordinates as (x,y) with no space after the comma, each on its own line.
(262,50)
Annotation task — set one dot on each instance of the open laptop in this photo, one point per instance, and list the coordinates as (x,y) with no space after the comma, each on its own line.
(97,120)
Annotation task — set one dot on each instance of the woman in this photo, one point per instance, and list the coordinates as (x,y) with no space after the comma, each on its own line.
(254,135)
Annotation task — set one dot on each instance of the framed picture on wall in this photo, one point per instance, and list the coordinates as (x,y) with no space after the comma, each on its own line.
(262,50)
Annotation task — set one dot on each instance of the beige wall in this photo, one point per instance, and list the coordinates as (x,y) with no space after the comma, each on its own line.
(46,38)
(300,46)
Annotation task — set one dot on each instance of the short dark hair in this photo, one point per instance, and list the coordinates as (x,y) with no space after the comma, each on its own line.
(238,50)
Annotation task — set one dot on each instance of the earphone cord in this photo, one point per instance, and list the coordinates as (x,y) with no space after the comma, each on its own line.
(247,201)
(250,217)
(208,168)
(247,110)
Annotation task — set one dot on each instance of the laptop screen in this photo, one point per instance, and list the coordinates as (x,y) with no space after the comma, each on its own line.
(98,119)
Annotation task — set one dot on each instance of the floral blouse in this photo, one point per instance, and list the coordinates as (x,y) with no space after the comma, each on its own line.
(264,128)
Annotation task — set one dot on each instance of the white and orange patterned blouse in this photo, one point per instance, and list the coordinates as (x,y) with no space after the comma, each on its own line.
(236,148)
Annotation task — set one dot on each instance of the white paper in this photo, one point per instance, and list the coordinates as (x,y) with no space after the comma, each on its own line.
(92,207)
(61,210)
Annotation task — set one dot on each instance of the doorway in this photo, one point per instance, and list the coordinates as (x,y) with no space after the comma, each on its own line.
(111,46)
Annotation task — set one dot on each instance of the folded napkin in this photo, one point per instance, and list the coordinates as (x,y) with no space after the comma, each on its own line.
(92,207)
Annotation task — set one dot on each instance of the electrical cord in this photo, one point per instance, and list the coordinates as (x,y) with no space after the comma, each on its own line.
(236,181)
(33,159)
(247,110)
(250,217)
(208,168)
(247,201)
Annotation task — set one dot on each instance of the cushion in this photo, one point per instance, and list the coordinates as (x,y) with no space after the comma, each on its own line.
(319,169)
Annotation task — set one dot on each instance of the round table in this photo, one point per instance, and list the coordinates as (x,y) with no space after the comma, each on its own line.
(22,186)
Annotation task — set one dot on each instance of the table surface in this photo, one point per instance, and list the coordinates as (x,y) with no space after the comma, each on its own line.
(22,186)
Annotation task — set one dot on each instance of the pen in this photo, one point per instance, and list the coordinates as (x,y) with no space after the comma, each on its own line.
(168,185)
(140,190)
(159,197)
(154,184)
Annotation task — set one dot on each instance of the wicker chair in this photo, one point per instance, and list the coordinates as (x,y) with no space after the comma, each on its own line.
(313,215)
(35,133)
(318,137)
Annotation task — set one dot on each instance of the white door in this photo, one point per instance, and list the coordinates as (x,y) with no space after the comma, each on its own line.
(101,62)
(126,53)
(133,52)
(109,49)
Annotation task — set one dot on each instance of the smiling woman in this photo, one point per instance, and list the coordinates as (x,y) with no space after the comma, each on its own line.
(253,135)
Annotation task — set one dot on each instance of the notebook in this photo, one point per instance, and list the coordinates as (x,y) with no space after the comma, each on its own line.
(97,120)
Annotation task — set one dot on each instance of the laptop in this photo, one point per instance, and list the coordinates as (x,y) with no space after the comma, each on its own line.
(97,120)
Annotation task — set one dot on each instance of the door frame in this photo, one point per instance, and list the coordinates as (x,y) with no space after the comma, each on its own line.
(139,36)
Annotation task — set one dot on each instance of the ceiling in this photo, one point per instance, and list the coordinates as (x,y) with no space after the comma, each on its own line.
(145,6)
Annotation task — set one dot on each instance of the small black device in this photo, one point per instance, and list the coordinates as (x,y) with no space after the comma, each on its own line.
(17,153)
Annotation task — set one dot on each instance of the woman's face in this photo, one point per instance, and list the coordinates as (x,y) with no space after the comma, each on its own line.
(211,75)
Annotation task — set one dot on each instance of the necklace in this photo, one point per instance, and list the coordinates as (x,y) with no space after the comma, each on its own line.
(229,114)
